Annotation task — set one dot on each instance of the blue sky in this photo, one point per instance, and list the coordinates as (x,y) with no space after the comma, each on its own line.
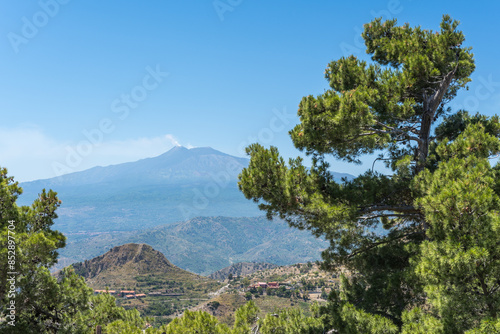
(88,83)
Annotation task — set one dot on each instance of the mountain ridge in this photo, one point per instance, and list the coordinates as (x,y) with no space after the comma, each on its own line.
(240,269)
(204,245)
(143,278)
(177,185)
(136,259)
(178,156)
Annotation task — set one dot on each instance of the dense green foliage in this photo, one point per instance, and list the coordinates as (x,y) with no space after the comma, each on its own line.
(291,321)
(43,303)
(287,321)
(460,261)
(435,268)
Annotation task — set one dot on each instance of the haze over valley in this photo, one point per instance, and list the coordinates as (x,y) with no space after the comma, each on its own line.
(185,203)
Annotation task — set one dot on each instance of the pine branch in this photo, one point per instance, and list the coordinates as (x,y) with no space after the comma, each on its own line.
(394,132)
(381,215)
(394,208)
(385,241)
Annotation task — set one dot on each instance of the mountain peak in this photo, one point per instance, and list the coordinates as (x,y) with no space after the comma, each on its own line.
(201,149)
(179,164)
(181,153)
(172,152)
(131,258)
(207,150)
(136,253)
(178,148)
(136,268)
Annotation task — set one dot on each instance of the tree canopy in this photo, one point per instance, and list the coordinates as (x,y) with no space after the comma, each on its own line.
(31,299)
(424,237)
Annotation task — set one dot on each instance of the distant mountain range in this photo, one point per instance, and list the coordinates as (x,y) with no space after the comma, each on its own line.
(204,245)
(178,165)
(108,206)
(176,186)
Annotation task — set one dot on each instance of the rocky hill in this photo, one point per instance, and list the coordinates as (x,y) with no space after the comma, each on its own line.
(154,285)
(123,264)
(158,288)
(240,269)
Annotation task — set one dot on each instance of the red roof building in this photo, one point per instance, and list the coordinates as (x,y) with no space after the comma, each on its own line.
(127,292)
(111,292)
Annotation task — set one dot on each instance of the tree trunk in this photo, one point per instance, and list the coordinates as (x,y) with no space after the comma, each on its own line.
(423,146)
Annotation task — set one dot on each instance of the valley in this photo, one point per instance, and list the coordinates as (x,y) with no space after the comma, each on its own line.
(206,244)
(142,278)
(185,203)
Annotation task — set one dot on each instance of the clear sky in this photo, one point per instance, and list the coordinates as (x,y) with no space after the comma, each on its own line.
(86,83)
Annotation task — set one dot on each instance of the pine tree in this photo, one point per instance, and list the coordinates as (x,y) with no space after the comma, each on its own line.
(45,303)
(396,106)
(197,322)
(459,263)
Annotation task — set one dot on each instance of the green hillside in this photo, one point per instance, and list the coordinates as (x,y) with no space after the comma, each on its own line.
(160,288)
(301,285)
